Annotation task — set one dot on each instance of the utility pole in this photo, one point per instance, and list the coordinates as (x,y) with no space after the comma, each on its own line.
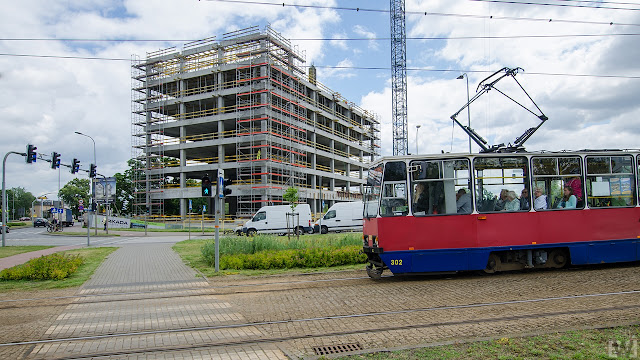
(4,194)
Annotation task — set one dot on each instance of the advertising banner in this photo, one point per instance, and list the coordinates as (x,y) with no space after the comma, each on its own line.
(105,190)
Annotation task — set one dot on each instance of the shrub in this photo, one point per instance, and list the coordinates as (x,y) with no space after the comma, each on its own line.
(293,258)
(50,267)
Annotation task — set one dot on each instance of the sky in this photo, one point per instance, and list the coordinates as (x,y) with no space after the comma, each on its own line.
(66,67)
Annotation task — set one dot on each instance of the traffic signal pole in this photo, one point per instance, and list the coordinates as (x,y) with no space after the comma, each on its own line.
(220,179)
(4,195)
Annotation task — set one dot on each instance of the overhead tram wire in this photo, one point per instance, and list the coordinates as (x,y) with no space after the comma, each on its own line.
(427,13)
(354,67)
(474,37)
(558,5)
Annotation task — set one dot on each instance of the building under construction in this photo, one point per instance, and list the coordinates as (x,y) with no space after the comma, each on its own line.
(245,104)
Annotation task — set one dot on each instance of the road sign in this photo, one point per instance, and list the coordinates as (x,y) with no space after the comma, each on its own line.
(80,201)
(190,205)
(60,211)
(80,207)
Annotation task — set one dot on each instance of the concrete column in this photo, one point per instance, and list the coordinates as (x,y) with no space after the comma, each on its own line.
(221,153)
(183,169)
(183,153)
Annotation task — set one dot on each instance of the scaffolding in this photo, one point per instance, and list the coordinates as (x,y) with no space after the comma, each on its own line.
(243,104)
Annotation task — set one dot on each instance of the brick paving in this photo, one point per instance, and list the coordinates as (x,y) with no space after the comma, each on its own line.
(166,295)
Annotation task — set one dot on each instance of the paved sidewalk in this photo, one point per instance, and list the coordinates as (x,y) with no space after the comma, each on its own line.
(14,260)
(146,289)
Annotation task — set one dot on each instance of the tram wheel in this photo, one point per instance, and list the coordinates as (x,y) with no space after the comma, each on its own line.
(374,272)
(493,264)
(558,258)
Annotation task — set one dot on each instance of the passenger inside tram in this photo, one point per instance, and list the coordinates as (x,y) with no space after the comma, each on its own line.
(524,199)
(420,199)
(502,200)
(568,200)
(576,188)
(463,202)
(540,202)
(513,203)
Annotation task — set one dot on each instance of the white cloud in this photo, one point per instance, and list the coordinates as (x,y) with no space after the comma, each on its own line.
(366,33)
(341,71)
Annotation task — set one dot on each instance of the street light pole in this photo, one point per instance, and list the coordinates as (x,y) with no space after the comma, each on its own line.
(93,190)
(468,106)
(417,128)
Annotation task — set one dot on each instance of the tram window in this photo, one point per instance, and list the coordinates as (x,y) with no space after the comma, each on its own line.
(434,185)
(610,181)
(372,192)
(550,176)
(394,190)
(500,182)
(395,171)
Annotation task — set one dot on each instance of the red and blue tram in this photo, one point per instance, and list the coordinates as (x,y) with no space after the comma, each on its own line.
(501,211)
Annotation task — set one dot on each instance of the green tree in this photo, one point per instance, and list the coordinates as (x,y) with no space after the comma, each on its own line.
(18,202)
(74,190)
(291,195)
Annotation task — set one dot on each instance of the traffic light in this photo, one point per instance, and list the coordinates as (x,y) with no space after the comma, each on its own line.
(206,186)
(225,190)
(222,189)
(92,171)
(75,166)
(55,160)
(31,154)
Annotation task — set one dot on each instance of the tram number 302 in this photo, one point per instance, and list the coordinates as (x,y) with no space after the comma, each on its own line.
(396,262)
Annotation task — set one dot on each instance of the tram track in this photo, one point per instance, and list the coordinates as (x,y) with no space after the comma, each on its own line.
(369,330)
(207,291)
(215,290)
(334,317)
(4,302)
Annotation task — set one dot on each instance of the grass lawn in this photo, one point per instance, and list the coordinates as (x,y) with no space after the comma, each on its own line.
(15,250)
(580,344)
(93,257)
(191,253)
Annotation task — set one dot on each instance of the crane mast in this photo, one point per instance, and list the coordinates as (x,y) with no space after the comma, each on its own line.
(399,77)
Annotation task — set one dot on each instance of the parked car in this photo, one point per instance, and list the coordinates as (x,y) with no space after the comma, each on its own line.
(40,222)
(2,228)
(24,218)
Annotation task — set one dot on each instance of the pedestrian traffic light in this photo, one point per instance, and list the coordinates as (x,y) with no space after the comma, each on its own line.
(206,186)
(75,166)
(55,160)
(92,171)
(31,154)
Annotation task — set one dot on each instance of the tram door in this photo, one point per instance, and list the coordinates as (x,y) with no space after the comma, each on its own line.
(503,201)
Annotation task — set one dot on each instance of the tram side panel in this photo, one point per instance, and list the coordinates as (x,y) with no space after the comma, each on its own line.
(464,242)
(425,244)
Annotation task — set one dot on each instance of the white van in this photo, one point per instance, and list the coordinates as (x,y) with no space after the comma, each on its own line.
(273,220)
(342,216)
